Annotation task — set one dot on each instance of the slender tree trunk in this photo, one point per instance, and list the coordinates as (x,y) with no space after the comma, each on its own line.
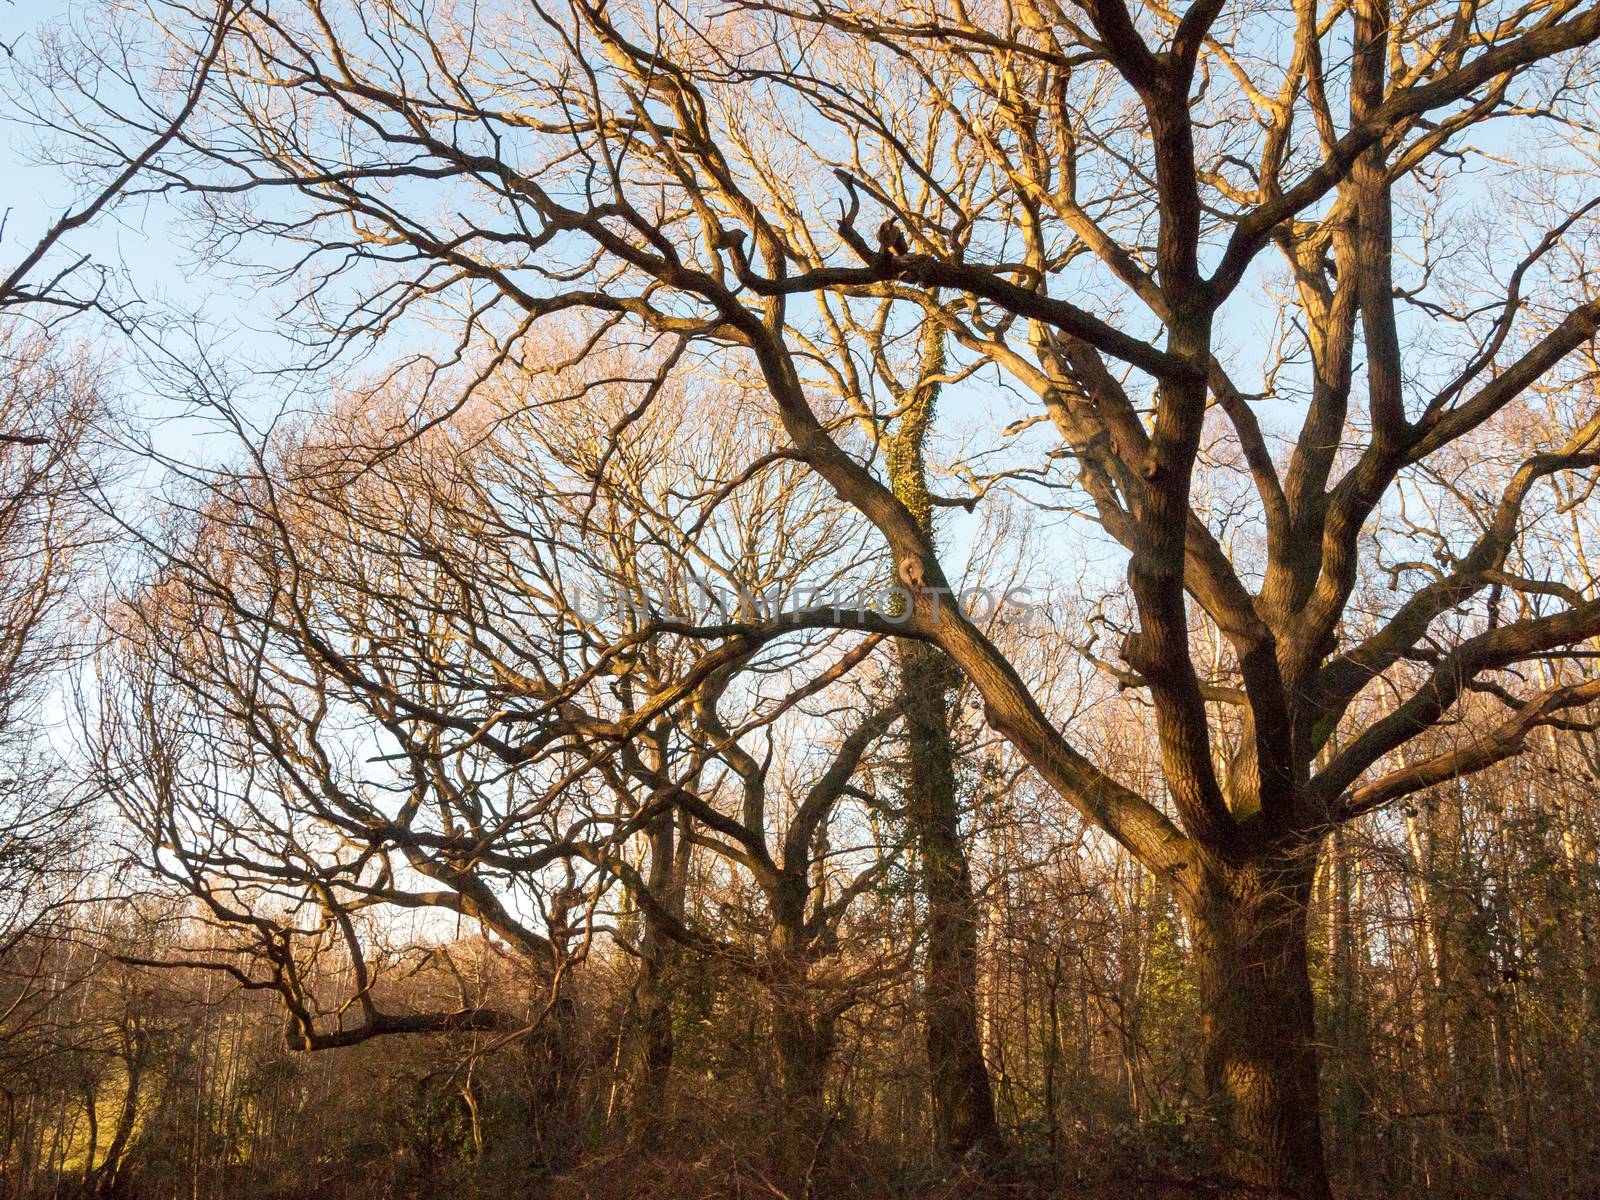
(107,1179)
(1261,1059)
(91,1111)
(962,1098)
(963,1103)
(653,992)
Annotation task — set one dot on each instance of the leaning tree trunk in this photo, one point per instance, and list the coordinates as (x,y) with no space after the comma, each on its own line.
(109,1177)
(963,1103)
(1261,1059)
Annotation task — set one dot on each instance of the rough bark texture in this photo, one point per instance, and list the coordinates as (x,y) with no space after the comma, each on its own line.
(961,1096)
(963,1104)
(1261,1060)
(804,1038)
(805,1045)
(688,247)
(653,992)
(554,1069)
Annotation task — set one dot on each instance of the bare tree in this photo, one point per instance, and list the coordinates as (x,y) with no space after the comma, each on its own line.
(47,278)
(476,670)
(961,1095)
(50,403)
(1086,202)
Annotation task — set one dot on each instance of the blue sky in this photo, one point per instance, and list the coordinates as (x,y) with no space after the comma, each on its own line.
(36,194)
(139,241)
(142,242)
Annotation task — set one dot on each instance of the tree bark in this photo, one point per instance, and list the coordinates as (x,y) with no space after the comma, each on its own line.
(107,1179)
(653,992)
(656,1050)
(963,1103)
(804,1040)
(1261,1059)
(805,1045)
(554,1070)
(960,1092)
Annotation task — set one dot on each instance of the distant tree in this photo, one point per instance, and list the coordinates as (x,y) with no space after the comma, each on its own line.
(50,404)
(53,468)
(506,669)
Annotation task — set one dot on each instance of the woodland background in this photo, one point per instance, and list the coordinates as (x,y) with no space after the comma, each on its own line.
(443,752)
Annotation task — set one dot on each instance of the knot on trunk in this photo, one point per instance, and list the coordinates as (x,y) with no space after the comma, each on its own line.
(1138,652)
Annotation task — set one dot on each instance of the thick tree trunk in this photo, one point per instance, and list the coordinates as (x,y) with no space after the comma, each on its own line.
(656,1048)
(805,1046)
(1261,1059)
(963,1102)
(804,1041)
